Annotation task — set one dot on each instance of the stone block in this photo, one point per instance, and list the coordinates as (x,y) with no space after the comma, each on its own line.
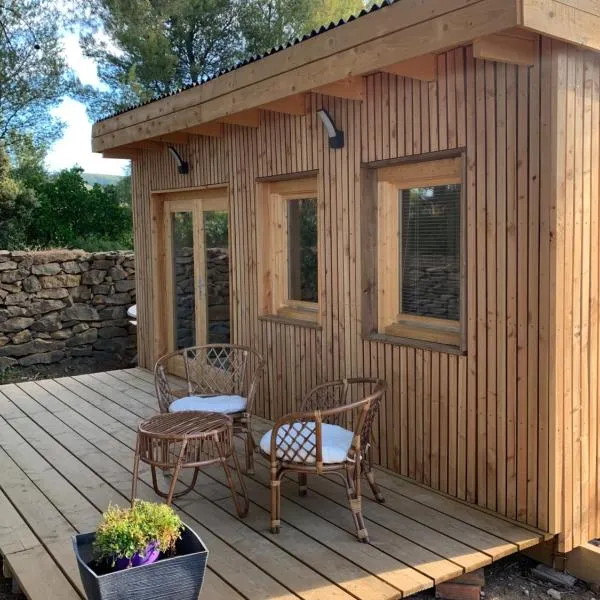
(50,268)
(117,273)
(80,312)
(34,347)
(6,362)
(62,280)
(84,266)
(45,358)
(3,294)
(81,292)
(3,341)
(11,288)
(82,351)
(61,334)
(102,264)
(113,299)
(126,285)
(13,276)
(42,307)
(32,284)
(112,313)
(16,324)
(53,293)
(93,277)
(72,267)
(56,256)
(80,327)
(8,265)
(22,337)
(13,311)
(15,299)
(113,332)
(49,322)
(85,338)
(103,289)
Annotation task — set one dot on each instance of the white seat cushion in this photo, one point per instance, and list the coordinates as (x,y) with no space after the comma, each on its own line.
(336,443)
(221,404)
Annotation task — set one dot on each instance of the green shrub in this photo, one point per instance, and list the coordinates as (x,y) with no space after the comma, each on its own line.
(124,532)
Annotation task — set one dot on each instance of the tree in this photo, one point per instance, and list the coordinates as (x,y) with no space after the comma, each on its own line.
(16,207)
(33,73)
(154,47)
(69,214)
(271,23)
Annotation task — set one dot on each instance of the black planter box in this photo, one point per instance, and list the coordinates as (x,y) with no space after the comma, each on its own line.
(179,577)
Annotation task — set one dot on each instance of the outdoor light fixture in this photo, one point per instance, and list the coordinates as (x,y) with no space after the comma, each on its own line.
(336,136)
(182,165)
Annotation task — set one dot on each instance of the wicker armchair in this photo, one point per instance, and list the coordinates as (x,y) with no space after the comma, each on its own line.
(319,440)
(220,378)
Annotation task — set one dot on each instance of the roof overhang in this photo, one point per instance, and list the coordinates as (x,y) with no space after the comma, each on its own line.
(399,38)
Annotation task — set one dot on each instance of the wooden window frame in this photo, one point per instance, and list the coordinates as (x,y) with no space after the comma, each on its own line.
(382,316)
(273,230)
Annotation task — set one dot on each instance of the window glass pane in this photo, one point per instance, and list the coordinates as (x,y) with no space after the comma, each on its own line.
(182,235)
(430,251)
(302,250)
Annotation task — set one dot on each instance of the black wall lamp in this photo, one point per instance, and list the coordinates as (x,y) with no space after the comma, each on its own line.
(182,166)
(336,136)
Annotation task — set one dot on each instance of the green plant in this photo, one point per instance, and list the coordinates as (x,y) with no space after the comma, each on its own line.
(124,532)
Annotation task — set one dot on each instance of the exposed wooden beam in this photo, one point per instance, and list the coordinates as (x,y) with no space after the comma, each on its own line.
(246,118)
(173,138)
(572,21)
(506,48)
(206,129)
(426,28)
(292,105)
(350,88)
(421,67)
(122,153)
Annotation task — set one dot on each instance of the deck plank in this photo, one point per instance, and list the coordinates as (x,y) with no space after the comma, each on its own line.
(294,574)
(66,450)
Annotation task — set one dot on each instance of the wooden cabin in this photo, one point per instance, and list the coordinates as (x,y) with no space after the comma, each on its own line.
(413,194)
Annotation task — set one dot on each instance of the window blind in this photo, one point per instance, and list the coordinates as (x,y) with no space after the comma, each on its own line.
(430,251)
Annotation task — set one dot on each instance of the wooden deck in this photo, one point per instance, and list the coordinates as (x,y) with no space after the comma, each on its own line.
(66,451)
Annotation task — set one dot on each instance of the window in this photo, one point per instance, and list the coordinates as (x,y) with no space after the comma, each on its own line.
(289,257)
(419,251)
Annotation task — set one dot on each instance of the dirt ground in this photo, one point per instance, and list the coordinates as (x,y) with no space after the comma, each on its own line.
(508,579)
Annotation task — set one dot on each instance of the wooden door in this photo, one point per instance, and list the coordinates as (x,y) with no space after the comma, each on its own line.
(196,235)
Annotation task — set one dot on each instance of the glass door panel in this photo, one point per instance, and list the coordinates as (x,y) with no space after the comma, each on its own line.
(216,289)
(183,288)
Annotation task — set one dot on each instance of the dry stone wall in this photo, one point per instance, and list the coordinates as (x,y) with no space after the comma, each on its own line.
(66,306)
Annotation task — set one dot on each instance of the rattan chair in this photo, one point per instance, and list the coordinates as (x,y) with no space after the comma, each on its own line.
(331,434)
(220,378)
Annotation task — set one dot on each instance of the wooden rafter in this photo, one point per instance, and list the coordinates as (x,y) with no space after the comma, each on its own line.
(292,105)
(507,47)
(173,138)
(246,118)
(206,129)
(122,153)
(350,88)
(422,67)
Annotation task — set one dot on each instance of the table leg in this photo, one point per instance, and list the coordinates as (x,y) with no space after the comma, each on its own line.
(136,468)
(242,510)
(176,472)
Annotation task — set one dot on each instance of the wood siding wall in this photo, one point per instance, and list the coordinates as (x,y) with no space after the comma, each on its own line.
(574,106)
(477,426)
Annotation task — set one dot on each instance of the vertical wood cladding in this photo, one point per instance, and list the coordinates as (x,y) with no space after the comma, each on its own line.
(477,427)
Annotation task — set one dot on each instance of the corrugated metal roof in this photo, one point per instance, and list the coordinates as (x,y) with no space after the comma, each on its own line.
(252,59)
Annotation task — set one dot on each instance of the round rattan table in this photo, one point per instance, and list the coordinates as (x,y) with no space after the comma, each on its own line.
(176,441)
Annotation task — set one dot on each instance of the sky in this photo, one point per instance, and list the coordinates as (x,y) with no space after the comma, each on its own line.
(75,145)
